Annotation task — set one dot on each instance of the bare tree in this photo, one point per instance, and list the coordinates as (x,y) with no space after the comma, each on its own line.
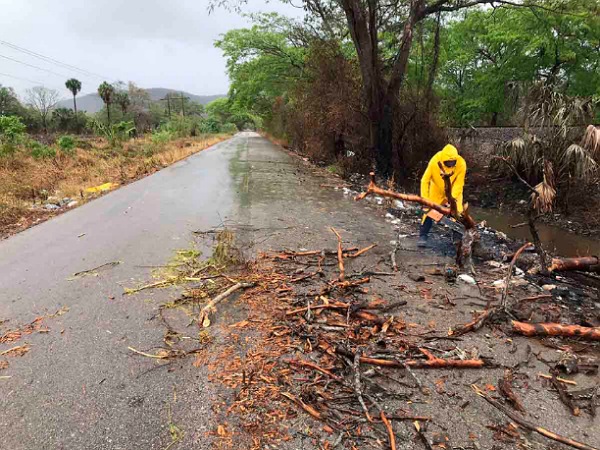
(43,101)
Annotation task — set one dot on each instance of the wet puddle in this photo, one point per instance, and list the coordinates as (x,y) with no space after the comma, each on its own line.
(557,240)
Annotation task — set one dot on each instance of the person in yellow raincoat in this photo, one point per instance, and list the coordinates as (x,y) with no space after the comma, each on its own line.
(432,184)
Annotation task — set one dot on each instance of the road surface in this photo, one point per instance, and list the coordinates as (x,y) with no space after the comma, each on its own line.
(79,387)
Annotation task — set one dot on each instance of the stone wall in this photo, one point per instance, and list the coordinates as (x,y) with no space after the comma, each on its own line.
(477,145)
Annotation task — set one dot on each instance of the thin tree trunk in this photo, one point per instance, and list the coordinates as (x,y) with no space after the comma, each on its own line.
(75,103)
(108,112)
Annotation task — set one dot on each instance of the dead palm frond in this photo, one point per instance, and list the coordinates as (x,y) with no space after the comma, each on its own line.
(581,163)
(591,140)
(543,197)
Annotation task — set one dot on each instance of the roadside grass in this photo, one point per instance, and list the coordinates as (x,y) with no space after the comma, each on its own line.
(27,180)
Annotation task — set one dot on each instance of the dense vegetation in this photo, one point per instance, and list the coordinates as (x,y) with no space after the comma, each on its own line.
(363,83)
(49,154)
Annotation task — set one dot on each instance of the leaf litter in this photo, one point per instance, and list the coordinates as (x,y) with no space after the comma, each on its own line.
(318,356)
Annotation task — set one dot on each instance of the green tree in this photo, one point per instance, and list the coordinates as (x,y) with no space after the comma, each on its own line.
(106,91)
(74,85)
(9,103)
(121,98)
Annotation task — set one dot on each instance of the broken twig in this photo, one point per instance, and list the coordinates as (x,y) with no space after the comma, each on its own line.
(203,318)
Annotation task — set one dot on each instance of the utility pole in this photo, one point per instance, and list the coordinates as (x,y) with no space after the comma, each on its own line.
(168,99)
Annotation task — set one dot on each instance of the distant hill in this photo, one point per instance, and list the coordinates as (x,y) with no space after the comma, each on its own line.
(92,103)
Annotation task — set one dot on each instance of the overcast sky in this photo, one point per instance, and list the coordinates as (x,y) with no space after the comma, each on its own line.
(155,43)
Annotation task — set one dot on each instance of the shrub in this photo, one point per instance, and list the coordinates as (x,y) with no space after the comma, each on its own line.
(11,130)
(66,144)
(229,128)
(41,151)
(115,133)
(210,125)
(161,138)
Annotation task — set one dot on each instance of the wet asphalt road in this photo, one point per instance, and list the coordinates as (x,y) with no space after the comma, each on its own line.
(79,387)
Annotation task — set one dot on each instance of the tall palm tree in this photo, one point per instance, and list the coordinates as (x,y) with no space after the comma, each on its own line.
(106,91)
(74,85)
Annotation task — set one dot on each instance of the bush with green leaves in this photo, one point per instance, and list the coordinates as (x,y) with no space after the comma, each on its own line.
(41,151)
(161,138)
(12,130)
(229,128)
(210,125)
(116,133)
(66,144)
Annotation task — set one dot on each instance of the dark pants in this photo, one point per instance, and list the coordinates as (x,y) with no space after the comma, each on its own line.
(426,227)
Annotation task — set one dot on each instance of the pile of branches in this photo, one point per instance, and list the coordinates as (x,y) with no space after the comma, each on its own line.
(330,350)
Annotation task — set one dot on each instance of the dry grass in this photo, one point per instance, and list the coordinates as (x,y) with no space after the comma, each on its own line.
(25,181)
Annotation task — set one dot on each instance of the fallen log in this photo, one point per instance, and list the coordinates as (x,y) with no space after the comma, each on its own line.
(585,264)
(530,426)
(556,329)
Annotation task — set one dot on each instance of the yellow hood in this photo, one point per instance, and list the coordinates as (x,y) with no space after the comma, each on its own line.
(449,153)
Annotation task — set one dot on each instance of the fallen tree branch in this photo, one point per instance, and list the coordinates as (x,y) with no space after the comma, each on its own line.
(340,254)
(505,388)
(556,329)
(361,251)
(586,264)
(474,324)
(504,301)
(530,426)
(390,431)
(307,408)
(431,363)
(563,395)
(203,317)
(358,388)
(301,363)
(372,188)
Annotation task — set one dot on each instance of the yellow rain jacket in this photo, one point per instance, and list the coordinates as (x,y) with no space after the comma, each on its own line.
(432,183)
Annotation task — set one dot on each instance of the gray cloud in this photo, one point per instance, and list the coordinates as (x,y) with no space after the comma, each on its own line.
(155,43)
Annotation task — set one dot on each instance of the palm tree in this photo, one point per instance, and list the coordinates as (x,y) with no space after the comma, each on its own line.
(106,92)
(74,85)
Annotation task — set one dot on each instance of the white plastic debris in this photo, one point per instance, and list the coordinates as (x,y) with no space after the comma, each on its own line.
(399,204)
(389,216)
(549,287)
(379,200)
(72,204)
(499,284)
(495,264)
(467,278)
(350,153)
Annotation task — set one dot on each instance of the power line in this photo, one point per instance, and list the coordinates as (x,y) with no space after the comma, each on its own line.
(36,83)
(35,67)
(21,78)
(52,60)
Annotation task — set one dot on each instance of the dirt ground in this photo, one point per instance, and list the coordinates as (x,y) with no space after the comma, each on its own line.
(263,400)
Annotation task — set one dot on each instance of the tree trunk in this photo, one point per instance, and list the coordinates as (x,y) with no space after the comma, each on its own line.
(108,112)
(75,103)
